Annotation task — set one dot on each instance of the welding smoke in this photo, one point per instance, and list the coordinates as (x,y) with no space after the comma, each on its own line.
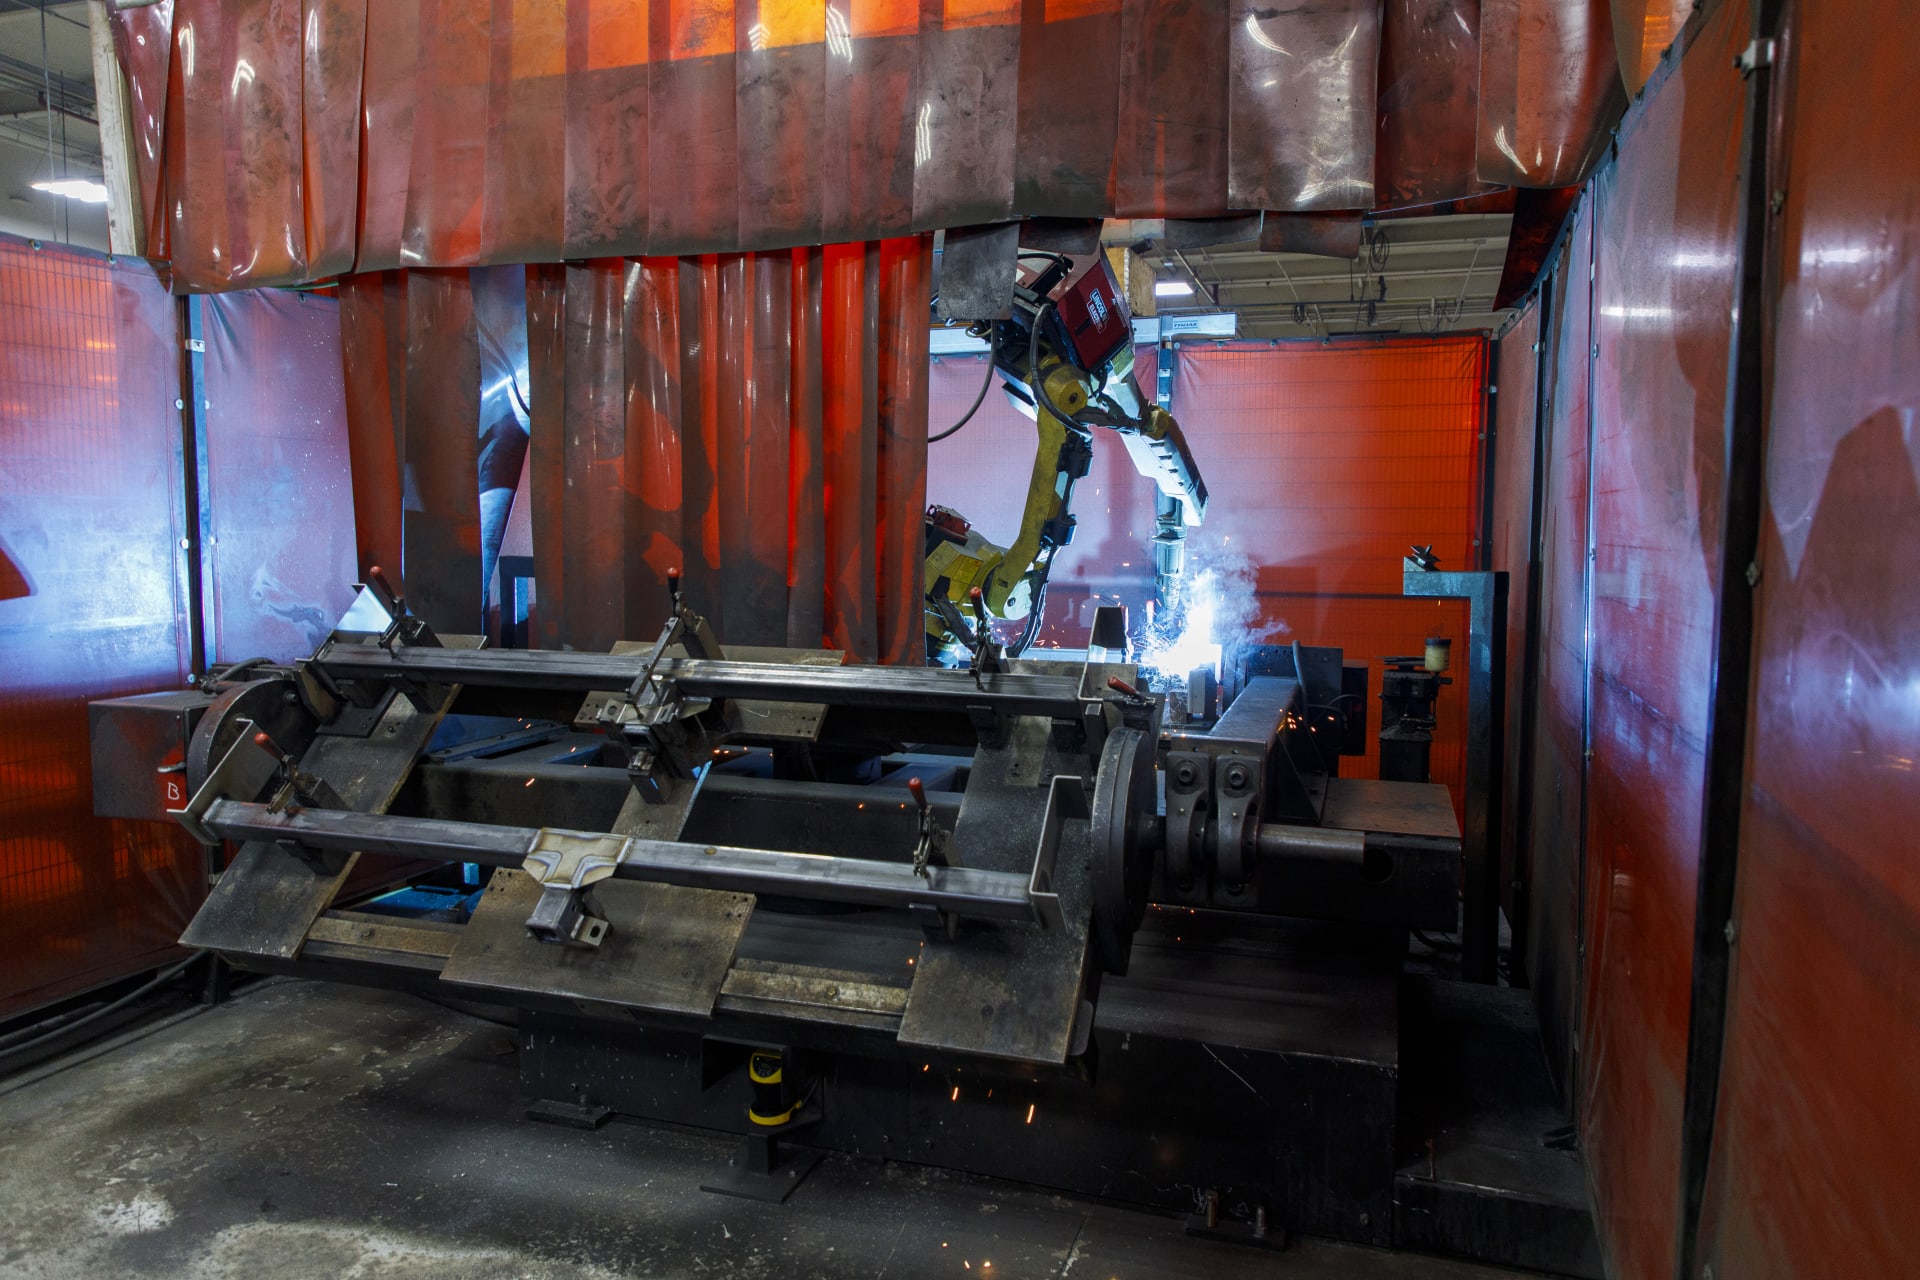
(1212,611)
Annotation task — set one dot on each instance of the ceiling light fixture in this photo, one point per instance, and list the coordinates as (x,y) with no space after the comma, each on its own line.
(84,190)
(1171,288)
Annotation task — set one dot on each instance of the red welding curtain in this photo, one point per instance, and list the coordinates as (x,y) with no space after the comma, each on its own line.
(287,140)
(1324,463)
(756,421)
(279,559)
(93,604)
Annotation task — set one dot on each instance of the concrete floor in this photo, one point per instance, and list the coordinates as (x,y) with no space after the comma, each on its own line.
(309,1130)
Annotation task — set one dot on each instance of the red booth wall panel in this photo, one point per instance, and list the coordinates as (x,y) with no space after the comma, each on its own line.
(1511,539)
(1662,328)
(1324,463)
(1559,705)
(1819,1108)
(93,604)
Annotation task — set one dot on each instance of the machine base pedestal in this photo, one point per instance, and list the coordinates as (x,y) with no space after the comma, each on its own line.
(764,1170)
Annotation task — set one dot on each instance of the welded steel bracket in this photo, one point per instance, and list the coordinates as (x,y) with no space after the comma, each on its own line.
(567,865)
(1066,800)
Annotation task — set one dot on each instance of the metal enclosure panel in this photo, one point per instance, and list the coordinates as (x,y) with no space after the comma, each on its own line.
(143,41)
(692,154)
(780,69)
(386,132)
(1643,30)
(1819,1109)
(1171,148)
(332,53)
(1663,299)
(865,151)
(133,740)
(236,195)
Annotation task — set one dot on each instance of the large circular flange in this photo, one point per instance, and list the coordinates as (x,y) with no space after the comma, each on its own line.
(1123,794)
(271,706)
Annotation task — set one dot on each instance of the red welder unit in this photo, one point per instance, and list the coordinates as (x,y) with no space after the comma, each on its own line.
(1091,317)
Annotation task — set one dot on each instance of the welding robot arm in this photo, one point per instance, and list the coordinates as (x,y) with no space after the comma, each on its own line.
(1066,356)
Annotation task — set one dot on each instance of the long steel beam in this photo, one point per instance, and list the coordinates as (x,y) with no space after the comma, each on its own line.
(900,688)
(961,891)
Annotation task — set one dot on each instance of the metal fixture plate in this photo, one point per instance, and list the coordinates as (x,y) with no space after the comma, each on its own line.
(667,949)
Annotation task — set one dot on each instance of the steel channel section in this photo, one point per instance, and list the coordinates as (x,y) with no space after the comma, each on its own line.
(891,688)
(960,891)
(1486,597)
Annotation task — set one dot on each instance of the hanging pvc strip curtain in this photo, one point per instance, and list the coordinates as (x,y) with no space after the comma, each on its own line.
(287,140)
(1429,103)
(1300,105)
(1643,30)
(1171,150)
(1550,90)
(143,42)
(275,474)
(753,422)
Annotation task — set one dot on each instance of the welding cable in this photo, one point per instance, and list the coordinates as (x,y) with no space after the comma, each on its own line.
(1039,383)
(978,400)
(1035,615)
(14,1052)
(1047,255)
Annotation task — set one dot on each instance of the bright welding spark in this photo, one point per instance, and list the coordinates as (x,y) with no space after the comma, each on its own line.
(1182,637)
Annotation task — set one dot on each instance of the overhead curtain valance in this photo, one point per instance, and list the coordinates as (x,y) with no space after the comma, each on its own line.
(289,140)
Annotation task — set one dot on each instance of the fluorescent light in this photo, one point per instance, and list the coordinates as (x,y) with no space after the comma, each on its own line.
(84,190)
(1171,288)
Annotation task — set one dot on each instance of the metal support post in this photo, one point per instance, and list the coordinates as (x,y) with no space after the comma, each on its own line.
(1486,597)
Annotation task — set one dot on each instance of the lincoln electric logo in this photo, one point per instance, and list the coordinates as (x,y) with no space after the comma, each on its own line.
(1097,308)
